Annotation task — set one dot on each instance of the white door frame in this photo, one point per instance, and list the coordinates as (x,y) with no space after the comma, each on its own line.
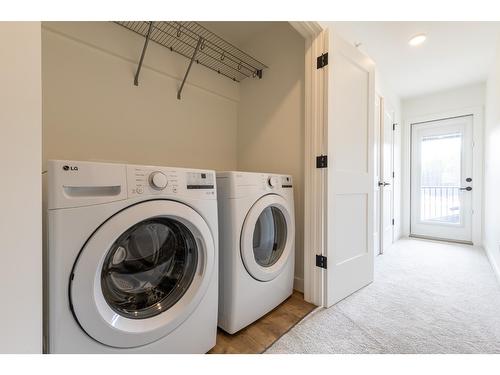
(314,213)
(477,166)
(377,198)
(386,107)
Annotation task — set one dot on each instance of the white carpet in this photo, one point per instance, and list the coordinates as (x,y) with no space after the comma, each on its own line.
(427,297)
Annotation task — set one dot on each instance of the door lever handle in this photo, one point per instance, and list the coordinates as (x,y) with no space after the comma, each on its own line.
(387,183)
(468,188)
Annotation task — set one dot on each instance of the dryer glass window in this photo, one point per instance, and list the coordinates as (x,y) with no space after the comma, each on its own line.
(149,268)
(269,236)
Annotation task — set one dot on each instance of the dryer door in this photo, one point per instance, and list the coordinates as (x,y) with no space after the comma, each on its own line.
(142,273)
(267,237)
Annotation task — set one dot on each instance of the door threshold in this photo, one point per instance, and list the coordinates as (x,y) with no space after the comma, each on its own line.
(441,239)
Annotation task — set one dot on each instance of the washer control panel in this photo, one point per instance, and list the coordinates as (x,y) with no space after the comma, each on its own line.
(158,180)
(145,180)
(200,180)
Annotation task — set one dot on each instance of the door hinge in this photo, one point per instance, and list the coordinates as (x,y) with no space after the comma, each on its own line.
(392,221)
(393,175)
(394,126)
(321,261)
(322,161)
(322,61)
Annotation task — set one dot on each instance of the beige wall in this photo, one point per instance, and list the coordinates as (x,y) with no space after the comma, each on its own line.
(271,118)
(20,201)
(491,227)
(92,110)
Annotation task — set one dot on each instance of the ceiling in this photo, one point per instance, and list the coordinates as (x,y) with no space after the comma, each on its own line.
(454,54)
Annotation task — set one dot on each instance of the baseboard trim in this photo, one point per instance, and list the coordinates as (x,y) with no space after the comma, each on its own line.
(298,284)
(494,264)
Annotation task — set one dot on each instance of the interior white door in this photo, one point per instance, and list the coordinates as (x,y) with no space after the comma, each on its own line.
(349,182)
(376,176)
(441,179)
(387,179)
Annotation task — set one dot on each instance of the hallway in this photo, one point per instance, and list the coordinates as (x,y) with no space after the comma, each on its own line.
(427,297)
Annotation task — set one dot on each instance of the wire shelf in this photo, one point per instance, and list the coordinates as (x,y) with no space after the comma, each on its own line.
(214,52)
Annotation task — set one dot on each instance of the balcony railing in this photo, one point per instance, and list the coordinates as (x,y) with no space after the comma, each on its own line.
(440,203)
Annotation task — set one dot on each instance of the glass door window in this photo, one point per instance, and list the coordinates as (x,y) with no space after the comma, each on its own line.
(441,176)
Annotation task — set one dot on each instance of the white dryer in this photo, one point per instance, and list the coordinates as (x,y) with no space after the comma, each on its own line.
(257,234)
(131,259)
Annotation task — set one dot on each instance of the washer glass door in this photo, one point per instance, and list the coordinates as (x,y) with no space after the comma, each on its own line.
(142,273)
(267,237)
(149,268)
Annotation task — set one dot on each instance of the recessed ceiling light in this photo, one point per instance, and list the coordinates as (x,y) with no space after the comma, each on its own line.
(417,39)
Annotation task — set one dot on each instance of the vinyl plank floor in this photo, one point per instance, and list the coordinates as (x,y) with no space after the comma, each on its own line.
(258,336)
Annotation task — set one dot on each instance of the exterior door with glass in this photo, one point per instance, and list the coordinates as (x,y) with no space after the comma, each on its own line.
(441,179)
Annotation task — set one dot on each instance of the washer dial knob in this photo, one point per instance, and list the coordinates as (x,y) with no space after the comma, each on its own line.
(273,181)
(158,180)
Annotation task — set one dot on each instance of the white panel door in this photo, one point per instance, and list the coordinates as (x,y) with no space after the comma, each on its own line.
(441,179)
(349,189)
(387,180)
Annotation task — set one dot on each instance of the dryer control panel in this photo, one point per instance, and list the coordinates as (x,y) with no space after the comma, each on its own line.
(164,181)
(236,184)
(272,182)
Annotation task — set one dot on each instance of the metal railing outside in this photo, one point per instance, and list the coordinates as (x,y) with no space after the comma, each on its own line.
(440,203)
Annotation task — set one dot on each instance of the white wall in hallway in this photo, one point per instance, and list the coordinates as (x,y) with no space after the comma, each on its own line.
(458,98)
(463,100)
(492,166)
(21,199)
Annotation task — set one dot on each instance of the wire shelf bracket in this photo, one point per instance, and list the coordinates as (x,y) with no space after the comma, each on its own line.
(200,40)
(136,77)
(198,44)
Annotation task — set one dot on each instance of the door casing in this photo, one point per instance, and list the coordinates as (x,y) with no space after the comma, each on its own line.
(386,219)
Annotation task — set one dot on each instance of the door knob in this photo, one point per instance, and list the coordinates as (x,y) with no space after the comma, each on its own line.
(468,188)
